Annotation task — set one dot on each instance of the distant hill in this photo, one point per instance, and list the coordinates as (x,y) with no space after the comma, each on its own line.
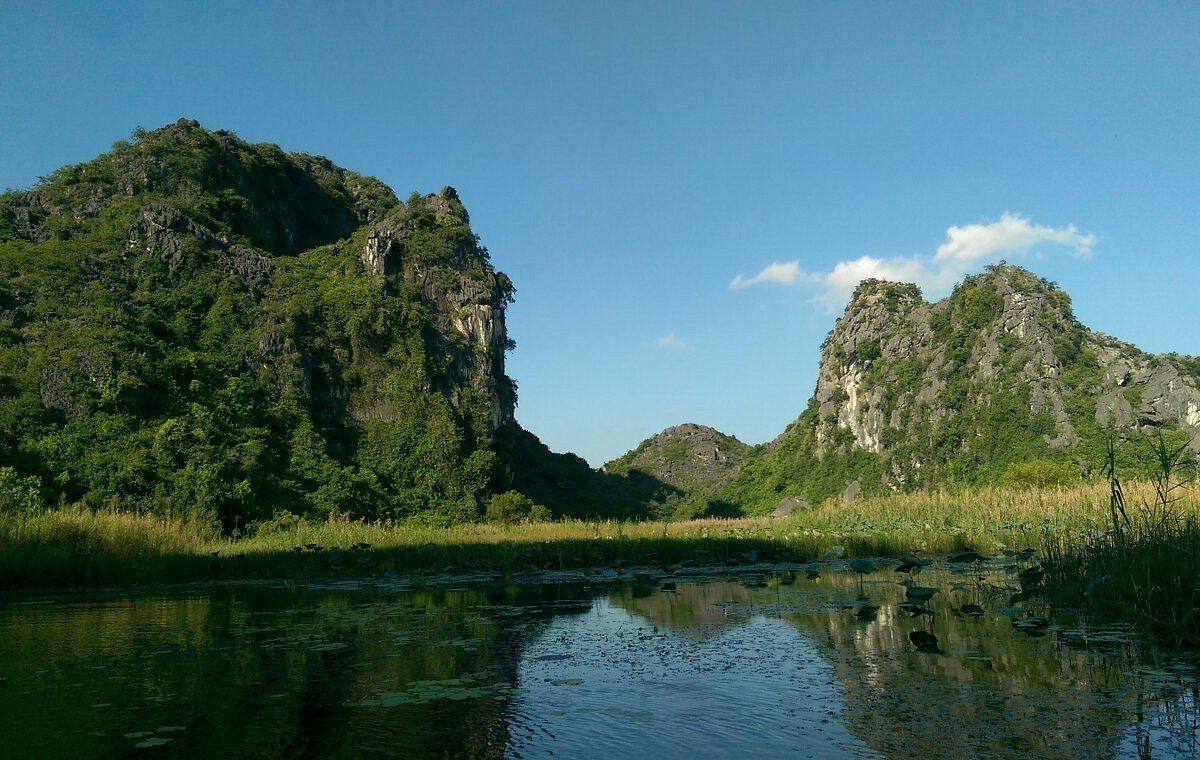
(686,466)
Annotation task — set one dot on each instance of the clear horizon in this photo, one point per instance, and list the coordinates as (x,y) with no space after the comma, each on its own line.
(684,194)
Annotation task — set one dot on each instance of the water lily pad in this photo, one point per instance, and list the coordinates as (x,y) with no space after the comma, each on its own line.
(154,741)
(331,647)
(922,593)
(966,558)
(421,692)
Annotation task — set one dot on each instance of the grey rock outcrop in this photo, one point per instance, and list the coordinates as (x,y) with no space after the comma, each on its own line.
(789,505)
(895,366)
(465,295)
(165,231)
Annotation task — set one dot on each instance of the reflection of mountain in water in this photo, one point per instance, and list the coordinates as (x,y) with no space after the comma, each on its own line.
(996,691)
(362,671)
(698,613)
(265,672)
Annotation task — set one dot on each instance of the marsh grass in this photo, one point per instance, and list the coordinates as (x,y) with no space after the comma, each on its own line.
(83,548)
(79,547)
(1145,568)
(1148,574)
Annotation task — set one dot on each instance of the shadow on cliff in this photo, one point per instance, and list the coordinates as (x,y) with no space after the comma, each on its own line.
(569,487)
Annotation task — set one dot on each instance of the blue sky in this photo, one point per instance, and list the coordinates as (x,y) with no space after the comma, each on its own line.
(625,162)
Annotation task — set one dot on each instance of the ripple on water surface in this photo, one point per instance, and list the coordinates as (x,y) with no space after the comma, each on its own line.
(611,684)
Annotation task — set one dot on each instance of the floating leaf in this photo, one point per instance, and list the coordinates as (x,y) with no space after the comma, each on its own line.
(925,642)
(452,689)
(331,647)
(862,566)
(966,558)
(154,741)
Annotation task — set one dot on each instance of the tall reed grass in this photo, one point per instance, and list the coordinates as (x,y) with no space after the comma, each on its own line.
(1145,567)
(79,547)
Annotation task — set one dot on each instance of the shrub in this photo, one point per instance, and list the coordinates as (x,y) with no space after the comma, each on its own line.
(513,507)
(867,351)
(281,522)
(18,494)
(1039,473)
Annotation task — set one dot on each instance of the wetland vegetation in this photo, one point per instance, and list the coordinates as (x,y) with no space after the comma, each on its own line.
(82,546)
(1144,567)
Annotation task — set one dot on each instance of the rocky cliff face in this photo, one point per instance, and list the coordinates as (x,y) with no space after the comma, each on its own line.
(914,394)
(1144,391)
(465,294)
(894,364)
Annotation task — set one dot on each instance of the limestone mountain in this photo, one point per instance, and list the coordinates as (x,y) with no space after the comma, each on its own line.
(198,326)
(968,390)
(681,468)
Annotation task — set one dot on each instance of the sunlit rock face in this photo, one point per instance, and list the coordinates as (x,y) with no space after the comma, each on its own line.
(914,394)
(891,354)
(1147,391)
(463,292)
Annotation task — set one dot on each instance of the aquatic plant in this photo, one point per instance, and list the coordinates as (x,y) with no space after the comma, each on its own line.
(1146,566)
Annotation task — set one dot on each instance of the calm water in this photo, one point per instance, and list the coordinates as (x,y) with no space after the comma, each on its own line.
(761,665)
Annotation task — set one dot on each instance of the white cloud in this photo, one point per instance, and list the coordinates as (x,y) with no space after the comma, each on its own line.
(670,343)
(966,248)
(972,243)
(784,272)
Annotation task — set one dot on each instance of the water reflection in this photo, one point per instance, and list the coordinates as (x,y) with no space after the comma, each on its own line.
(765,665)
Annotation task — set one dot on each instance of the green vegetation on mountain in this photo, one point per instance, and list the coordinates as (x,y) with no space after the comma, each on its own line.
(678,473)
(197,327)
(998,384)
